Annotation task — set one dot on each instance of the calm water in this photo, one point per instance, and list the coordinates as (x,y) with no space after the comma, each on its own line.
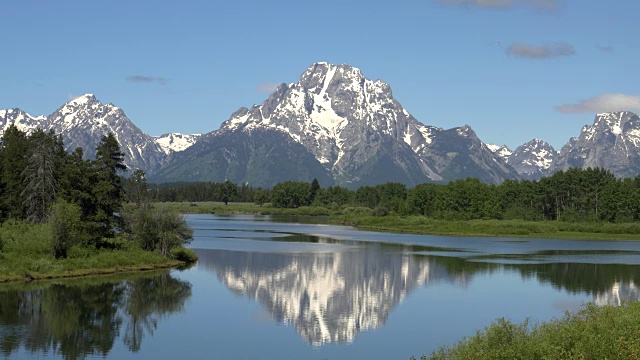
(269,289)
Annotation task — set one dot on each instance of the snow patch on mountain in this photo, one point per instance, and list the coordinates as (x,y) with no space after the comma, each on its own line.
(22,120)
(612,143)
(533,159)
(176,142)
(83,121)
(502,152)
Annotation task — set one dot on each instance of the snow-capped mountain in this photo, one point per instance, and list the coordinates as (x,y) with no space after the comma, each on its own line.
(335,125)
(533,160)
(22,120)
(612,142)
(176,142)
(503,152)
(84,120)
(352,127)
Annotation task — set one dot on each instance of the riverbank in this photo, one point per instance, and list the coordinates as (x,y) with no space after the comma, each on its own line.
(494,228)
(594,332)
(363,218)
(25,255)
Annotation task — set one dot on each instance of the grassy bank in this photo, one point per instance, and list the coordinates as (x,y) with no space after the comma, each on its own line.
(363,218)
(219,208)
(26,254)
(499,228)
(594,332)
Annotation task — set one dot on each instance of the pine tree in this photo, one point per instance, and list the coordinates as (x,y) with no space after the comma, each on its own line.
(15,155)
(108,188)
(40,176)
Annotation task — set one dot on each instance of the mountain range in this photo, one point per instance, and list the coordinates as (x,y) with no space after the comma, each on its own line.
(335,125)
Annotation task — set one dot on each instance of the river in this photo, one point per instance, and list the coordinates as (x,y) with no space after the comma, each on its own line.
(270,288)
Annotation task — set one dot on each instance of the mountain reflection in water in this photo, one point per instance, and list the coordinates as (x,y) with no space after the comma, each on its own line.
(77,319)
(331,297)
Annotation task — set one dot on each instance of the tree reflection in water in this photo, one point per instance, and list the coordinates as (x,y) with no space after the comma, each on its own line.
(75,320)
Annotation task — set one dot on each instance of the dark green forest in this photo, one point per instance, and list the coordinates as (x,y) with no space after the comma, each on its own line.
(80,202)
(576,195)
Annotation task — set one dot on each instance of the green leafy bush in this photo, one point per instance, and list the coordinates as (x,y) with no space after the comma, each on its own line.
(158,229)
(65,225)
(184,254)
(381,211)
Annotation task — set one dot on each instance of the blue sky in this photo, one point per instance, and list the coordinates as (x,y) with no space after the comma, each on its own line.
(511,69)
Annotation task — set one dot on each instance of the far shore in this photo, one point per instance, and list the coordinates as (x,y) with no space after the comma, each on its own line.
(361,218)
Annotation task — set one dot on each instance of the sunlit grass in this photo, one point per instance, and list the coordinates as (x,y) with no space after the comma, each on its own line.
(27,255)
(594,332)
(502,228)
(362,217)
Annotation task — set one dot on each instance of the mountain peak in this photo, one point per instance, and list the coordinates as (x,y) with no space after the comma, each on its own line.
(614,113)
(613,121)
(83,99)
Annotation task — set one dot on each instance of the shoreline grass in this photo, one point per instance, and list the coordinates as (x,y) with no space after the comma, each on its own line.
(363,219)
(594,332)
(26,255)
(494,228)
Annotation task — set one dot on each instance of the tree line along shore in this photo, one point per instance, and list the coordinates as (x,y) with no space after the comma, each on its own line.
(577,203)
(63,216)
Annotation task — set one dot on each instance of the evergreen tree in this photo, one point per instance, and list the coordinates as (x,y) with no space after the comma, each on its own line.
(108,189)
(313,190)
(15,155)
(136,188)
(40,176)
(77,183)
(228,191)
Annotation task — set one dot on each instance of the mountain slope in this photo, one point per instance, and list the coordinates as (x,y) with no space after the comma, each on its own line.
(356,130)
(612,142)
(84,120)
(503,152)
(22,120)
(257,157)
(175,142)
(533,159)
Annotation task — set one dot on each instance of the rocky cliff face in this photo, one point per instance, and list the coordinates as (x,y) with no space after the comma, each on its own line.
(533,159)
(612,142)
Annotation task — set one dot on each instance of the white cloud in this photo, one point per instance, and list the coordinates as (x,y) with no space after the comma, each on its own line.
(267,87)
(603,103)
(539,52)
(147,79)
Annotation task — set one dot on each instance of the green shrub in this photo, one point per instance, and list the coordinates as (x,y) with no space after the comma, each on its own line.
(184,254)
(380,211)
(158,229)
(357,210)
(65,226)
